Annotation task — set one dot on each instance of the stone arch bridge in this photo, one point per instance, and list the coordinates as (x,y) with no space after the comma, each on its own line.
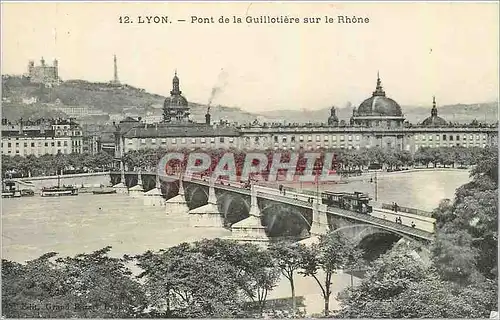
(260,213)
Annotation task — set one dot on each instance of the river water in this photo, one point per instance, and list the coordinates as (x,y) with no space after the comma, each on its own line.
(33,226)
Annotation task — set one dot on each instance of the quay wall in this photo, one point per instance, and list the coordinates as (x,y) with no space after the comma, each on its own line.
(86,179)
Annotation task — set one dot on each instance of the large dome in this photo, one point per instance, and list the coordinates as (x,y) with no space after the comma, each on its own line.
(379,104)
(434,120)
(175,101)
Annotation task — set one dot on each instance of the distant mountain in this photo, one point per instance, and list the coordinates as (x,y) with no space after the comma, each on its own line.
(462,113)
(113,99)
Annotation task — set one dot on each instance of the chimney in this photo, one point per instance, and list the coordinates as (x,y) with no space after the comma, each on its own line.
(21,126)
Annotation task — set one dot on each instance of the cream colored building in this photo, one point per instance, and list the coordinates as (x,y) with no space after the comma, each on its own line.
(41,137)
(377,122)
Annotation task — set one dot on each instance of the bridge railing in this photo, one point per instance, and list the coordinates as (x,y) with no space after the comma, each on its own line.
(333,210)
(387,206)
(381,222)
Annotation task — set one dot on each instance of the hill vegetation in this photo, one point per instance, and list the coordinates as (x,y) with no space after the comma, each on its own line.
(113,99)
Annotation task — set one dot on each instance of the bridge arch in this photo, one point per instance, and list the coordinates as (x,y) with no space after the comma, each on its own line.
(196,196)
(284,220)
(233,207)
(374,240)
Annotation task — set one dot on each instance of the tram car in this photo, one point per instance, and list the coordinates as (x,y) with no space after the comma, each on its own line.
(357,201)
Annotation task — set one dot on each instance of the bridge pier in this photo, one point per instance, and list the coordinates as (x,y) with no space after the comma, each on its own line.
(121,187)
(319,224)
(154,197)
(251,228)
(137,191)
(177,204)
(207,215)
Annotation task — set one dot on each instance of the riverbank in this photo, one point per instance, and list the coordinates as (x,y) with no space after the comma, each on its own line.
(33,226)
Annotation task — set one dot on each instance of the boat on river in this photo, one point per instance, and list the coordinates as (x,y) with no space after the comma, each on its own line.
(57,191)
(11,194)
(104,191)
(10,189)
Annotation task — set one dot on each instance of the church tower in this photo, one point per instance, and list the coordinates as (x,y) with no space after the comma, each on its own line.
(175,107)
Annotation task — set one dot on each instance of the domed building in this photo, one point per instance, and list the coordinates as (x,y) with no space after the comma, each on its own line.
(378,122)
(434,121)
(378,111)
(175,107)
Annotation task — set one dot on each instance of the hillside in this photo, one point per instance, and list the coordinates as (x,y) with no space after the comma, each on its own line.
(120,99)
(103,96)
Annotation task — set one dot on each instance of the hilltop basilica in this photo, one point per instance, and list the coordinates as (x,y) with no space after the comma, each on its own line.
(377,122)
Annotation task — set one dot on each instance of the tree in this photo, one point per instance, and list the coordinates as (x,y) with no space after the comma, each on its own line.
(102,286)
(28,289)
(389,276)
(333,252)
(183,283)
(424,156)
(102,160)
(289,257)
(209,278)
(257,275)
(400,285)
(88,285)
(467,228)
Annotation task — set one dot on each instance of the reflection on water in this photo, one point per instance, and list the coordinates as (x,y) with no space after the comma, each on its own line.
(70,225)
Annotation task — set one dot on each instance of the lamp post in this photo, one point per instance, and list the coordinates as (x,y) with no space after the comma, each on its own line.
(376,187)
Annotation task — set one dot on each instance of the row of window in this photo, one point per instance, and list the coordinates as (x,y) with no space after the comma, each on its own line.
(46,144)
(449,137)
(65,151)
(65,133)
(318,138)
(327,138)
(182,140)
(318,147)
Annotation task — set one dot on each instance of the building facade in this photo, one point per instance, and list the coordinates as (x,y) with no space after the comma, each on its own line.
(377,122)
(44,73)
(41,137)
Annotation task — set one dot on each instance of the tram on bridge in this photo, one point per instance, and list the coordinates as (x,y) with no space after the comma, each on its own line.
(357,201)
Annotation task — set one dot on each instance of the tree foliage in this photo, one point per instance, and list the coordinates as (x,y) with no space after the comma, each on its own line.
(210,278)
(467,228)
(289,258)
(87,286)
(400,285)
(461,279)
(48,164)
(333,252)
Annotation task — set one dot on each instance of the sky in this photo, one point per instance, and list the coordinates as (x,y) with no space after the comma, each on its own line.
(449,50)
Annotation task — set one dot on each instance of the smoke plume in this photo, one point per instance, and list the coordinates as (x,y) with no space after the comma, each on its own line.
(219,86)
